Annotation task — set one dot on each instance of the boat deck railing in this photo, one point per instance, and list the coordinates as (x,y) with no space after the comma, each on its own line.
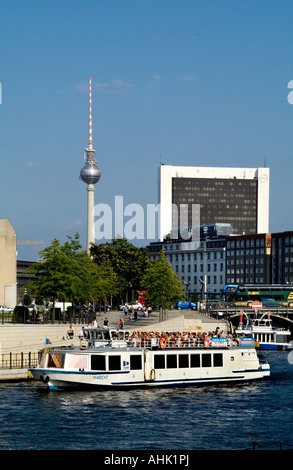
(163,343)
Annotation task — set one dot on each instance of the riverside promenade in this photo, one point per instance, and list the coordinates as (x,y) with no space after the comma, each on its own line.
(19,344)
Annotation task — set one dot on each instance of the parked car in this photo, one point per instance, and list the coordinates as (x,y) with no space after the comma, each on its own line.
(136,305)
(185,304)
(5,309)
(103,308)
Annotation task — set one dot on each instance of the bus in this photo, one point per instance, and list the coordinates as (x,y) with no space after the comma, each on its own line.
(247,294)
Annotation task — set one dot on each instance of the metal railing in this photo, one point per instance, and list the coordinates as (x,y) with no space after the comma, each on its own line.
(177,342)
(45,318)
(18,360)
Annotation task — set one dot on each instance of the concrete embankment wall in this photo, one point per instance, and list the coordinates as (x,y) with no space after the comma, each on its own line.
(30,338)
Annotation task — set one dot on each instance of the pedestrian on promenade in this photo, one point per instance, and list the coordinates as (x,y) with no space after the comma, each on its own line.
(70,332)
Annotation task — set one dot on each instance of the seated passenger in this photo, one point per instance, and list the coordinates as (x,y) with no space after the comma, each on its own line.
(70,332)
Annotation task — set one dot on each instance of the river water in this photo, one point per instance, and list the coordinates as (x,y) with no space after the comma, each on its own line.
(229,417)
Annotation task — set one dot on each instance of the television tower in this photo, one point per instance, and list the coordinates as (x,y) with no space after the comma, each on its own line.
(90,174)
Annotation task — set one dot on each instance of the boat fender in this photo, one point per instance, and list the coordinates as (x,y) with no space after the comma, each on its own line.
(163,343)
(206,343)
(44,378)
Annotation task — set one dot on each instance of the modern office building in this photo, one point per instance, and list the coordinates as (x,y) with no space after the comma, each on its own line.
(237,196)
(248,259)
(260,259)
(282,258)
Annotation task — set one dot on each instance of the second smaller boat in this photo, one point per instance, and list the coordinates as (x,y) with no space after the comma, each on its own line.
(265,335)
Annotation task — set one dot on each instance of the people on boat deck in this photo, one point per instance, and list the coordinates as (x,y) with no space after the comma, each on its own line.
(70,332)
(178,339)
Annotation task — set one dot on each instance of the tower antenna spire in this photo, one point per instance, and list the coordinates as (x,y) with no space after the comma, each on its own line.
(90,174)
(90,116)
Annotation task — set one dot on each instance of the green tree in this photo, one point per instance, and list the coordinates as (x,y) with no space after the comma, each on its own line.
(66,272)
(162,284)
(127,261)
(53,273)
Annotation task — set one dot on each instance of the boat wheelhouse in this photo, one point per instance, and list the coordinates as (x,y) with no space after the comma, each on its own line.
(111,358)
(266,336)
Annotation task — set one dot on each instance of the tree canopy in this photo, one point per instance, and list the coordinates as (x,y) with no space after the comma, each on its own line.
(127,261)
(66,272)
(162,284)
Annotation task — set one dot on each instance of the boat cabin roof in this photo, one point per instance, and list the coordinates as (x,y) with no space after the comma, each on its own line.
(105,334)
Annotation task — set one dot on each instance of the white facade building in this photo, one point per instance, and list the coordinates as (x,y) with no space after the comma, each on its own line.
(206,264)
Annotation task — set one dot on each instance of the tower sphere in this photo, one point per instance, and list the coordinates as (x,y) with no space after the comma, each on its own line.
(90,173)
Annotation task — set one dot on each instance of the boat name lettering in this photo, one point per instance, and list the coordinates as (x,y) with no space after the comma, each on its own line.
(219,341)
(100,377)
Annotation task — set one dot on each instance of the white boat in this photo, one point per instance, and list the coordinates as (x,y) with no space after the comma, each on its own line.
(266,336)
(111,358)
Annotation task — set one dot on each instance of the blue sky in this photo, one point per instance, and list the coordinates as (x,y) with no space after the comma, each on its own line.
(201,83)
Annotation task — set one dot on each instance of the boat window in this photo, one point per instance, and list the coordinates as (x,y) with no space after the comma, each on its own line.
(206,360)
(76,361)
(194,360)
(172,361)
(114,362)
(86,334)
(98,362)
(135,362)
(56,360)
(282,338)
(159,361)
(97,334)
(183,360)
(218,360)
